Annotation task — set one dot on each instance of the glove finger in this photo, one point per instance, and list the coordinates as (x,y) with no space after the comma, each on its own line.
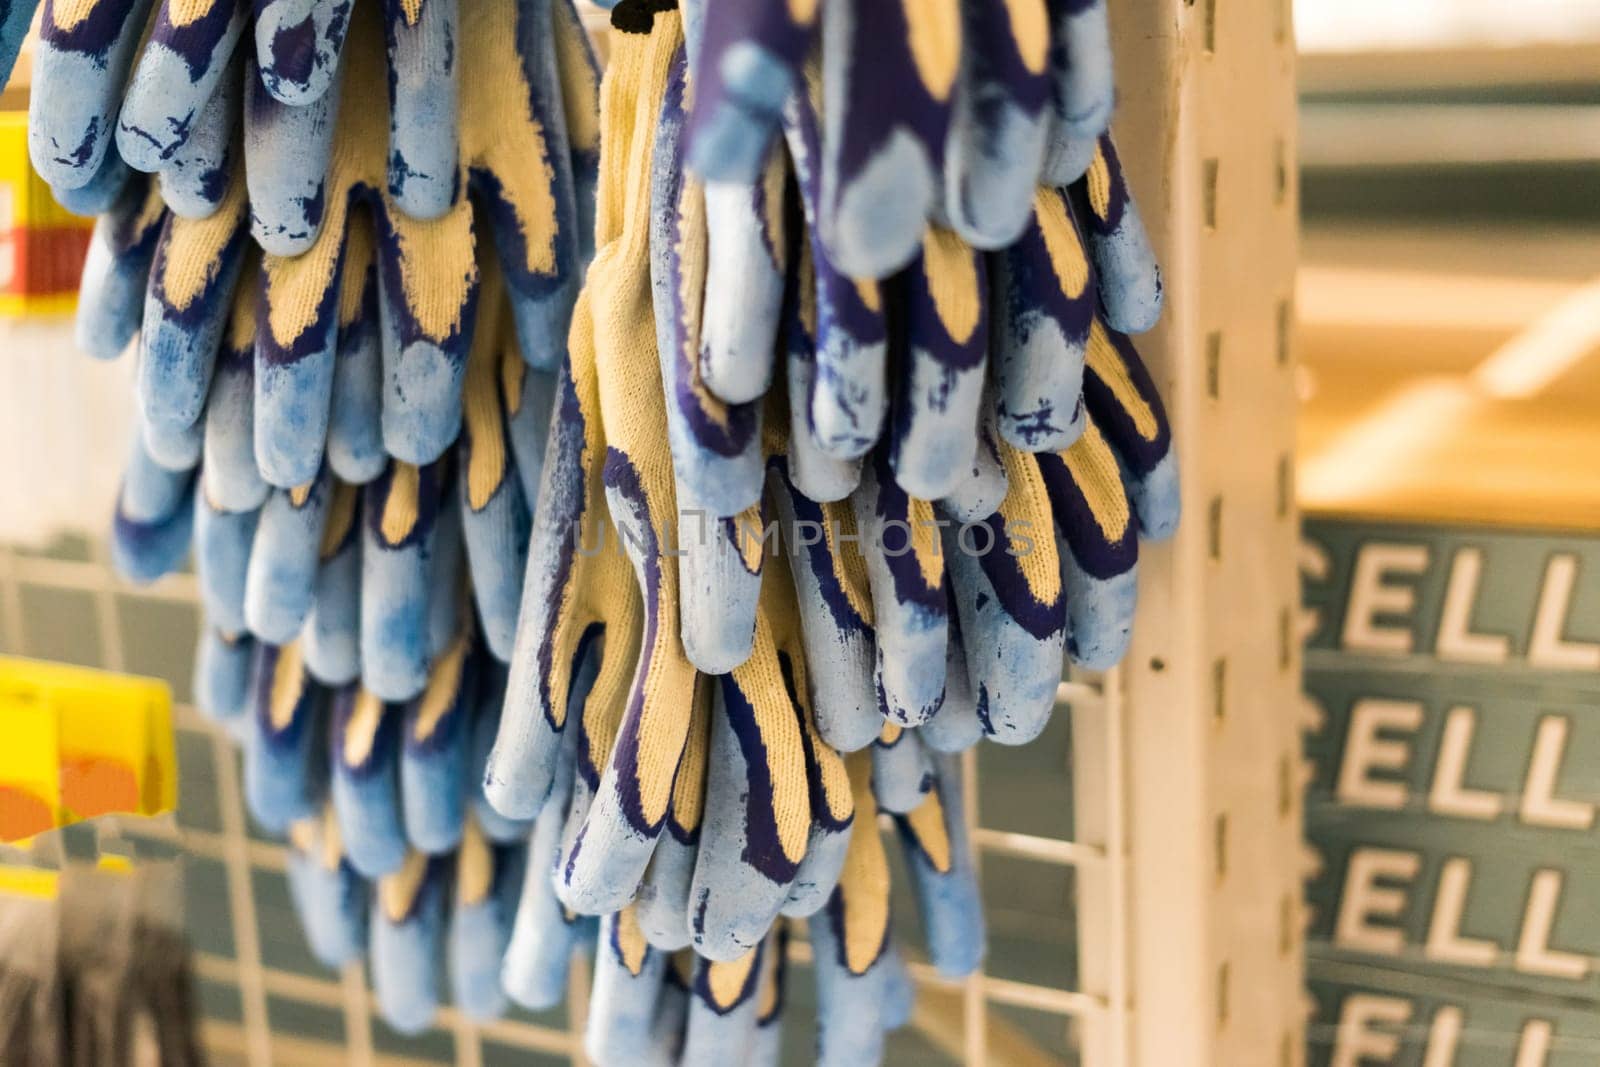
(1084,90)
(947,345)
(1128,410)
(1000,121)
(485,724)
(719,569)
(116,271)
(283,767)
(747,61)
(551,632)
(664,901)
(181,68)
(428,286)
(545,934)
(1100,551)
(850,941)
(297,342)
(186,310)
(154,517)
(759,807)
(630,747)
(578,76)
(849,398)
(331,635)
(959,723)
(364,744)
(297,45)
(194,178)
(422,39)
(648,720)
(815,473)
(827,781)
(283,564)
(625,1016)
(903,556)
(80,65)
(401,509)
(902,771)
(287,150)
(984,485)
(229,474)
(724,1000)
(495,517)
(1006,574)
(529,397)
(222,542)
(1124,263)
(355,432)
(1048,306)
(716,447)
(408,917)
(746,253)
(488,881)
(222,675)
(434,756)
(767,1048)
(329,897)
(887,92)
(834,603)
(446,573)
(933,836)
(522,172)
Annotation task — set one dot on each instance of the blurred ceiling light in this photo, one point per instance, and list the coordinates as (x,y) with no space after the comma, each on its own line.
(1368,25)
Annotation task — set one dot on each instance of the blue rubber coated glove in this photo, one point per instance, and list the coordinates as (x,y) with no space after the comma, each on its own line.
(489,881)
(545,934)
(285,757)
(1128,276)
(117,271)
(330,898)
(410,908)
(154,517)
(1054,568)
(516,163)
(363,740)
(435,751)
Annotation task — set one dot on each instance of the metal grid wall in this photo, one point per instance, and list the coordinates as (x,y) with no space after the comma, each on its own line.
(266,1001)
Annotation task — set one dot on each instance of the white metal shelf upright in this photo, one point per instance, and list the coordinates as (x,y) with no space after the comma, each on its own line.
(1208,967)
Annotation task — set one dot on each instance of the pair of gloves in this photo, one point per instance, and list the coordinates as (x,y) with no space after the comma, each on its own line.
(809,647)
(950,112)
(346,254)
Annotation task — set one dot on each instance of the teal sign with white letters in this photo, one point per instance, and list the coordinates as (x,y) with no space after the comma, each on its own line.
(1452,727)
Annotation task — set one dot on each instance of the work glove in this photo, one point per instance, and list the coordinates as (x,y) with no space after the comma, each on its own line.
(166,82)
(1053,569)
(639,753)
(447,913)
(863,991)
(516,163)
(655,1007)
(954,118)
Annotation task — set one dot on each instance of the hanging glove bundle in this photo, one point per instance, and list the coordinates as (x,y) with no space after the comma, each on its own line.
(760,608)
